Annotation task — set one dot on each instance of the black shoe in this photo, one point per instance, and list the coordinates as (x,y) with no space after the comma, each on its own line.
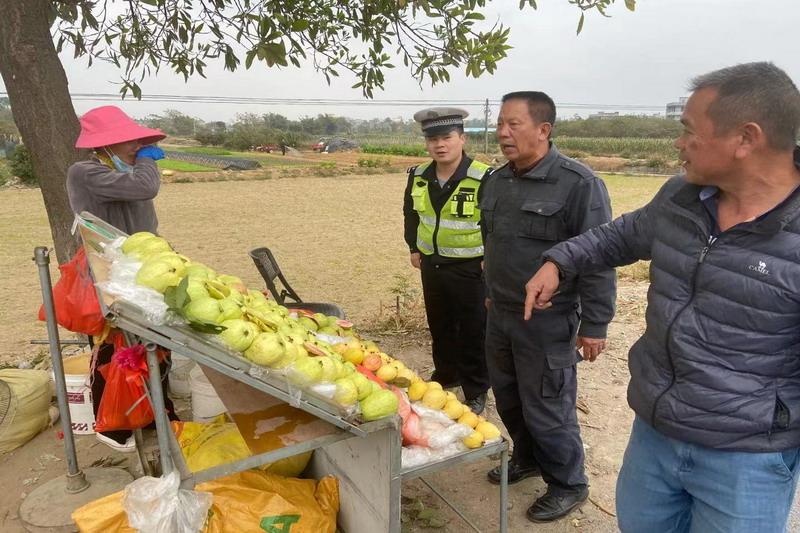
(556,504)
(477,404)
(516,473)
(445,385)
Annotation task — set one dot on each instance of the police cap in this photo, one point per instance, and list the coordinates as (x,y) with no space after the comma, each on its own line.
(440,120)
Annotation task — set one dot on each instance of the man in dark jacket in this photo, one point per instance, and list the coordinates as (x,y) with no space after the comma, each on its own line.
(715,379)
(538,199)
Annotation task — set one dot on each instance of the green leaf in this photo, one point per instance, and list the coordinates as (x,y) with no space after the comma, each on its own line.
(300,25)
(630,4)
(169,298)
(248,60)
(580,25)
(176,298)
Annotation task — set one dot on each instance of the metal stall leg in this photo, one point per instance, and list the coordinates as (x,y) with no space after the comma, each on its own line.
(504,490)
(49,506)
(139,439)
(76,480)
(159,409)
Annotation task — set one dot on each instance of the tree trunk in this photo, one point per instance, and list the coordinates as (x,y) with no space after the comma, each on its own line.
(38,91)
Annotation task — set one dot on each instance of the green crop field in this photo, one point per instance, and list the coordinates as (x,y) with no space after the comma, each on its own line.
(627,147)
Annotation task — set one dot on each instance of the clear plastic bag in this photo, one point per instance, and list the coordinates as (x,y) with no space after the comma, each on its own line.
(452,434)
(331,339)
(122,284)
(159,505)
(412,456)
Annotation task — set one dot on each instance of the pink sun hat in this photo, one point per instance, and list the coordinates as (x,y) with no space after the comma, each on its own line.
(106,125)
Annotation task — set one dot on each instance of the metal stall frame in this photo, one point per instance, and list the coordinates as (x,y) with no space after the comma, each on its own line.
(366,458)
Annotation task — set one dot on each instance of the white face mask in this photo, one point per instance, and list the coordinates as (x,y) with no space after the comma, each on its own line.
(119,164)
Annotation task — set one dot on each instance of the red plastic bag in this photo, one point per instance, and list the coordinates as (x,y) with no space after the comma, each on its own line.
(124,404)
(75,299)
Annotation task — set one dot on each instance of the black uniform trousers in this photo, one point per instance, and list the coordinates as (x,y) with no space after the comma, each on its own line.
(454,303)
(532,366)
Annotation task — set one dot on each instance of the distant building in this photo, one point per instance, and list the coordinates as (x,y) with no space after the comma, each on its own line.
(675,109)
(602,115)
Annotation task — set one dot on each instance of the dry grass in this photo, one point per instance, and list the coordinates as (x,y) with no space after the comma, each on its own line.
(336,240)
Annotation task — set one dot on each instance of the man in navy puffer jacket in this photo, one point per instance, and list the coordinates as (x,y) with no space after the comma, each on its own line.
(715,379)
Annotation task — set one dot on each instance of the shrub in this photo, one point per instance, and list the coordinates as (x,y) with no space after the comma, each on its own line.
(396,149)
(22,167)
(5,172)
(373,162)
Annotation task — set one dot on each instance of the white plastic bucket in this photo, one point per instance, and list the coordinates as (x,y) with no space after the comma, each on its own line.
(205,402)
(179,386)
(79,393)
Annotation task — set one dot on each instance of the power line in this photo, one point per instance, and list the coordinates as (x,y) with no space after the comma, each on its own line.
(339,102)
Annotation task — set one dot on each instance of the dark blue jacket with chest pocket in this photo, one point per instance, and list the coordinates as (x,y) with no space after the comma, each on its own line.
(522,217)
(719,362)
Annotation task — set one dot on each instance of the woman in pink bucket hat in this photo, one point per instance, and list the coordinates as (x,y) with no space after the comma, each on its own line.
(118,184)
(120,179)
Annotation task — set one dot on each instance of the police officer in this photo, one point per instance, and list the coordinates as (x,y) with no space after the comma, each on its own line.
(540,197)
(441,218)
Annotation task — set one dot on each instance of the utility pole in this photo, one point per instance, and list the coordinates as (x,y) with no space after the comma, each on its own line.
(486,127)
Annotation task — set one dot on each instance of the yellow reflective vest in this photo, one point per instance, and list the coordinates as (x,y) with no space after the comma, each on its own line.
(454,231)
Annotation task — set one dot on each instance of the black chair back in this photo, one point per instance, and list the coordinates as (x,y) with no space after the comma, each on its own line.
(268,267)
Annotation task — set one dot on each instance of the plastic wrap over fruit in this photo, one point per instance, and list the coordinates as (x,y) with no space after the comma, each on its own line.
(431,417)
(449,435)
(325,390)
(436,429)
(295,394)
(331,339)
(122,284)
(412,456)
(258,372)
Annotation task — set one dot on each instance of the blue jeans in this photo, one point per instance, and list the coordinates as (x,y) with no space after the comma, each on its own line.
(666,485)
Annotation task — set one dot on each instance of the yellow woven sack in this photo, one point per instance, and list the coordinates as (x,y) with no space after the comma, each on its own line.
(218,442)
(255,502)
(24,405)
(251,501)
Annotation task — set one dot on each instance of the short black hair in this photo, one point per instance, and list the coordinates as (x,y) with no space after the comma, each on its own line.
(540,106)
(754,92)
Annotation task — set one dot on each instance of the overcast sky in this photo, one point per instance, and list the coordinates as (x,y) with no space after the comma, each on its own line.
(641,58)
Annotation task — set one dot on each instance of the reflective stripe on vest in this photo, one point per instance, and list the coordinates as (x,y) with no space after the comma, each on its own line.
(461,252)
(424,247)
(455,227)
(449,224)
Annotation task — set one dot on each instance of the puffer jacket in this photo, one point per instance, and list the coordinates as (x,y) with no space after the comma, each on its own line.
(719,362)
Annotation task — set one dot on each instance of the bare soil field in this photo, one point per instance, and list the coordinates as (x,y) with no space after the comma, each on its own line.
(337,239)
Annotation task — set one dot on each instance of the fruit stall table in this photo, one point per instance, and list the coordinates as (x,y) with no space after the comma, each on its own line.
(365,457)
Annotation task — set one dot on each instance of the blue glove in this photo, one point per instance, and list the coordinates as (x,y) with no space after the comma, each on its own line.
(153,152)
